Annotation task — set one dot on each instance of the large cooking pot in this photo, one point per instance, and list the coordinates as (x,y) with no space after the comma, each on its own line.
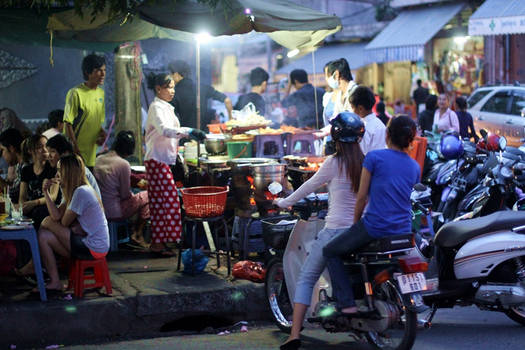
(245,163)
(209,164)
(265,174)
(241,169)
(216,144)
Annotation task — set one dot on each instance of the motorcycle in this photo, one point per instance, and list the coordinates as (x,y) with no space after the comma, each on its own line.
(480,262)
(387,287)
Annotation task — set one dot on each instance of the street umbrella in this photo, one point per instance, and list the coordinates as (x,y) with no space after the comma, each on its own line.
(291,25)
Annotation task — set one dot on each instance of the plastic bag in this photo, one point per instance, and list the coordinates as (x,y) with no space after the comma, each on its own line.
(249,270)
(201,260)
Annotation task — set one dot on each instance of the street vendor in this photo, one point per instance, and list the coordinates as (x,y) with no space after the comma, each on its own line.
(259,81)
(163,131)
(185,102)
(339,78)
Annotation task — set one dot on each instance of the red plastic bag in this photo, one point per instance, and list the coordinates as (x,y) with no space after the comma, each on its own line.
(249,270)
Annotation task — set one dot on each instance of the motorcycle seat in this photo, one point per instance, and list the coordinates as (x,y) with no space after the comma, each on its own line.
(388,245)
(453,234)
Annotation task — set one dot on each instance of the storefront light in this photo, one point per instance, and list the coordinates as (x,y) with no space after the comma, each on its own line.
(461,40)
(292,53)
(203,37)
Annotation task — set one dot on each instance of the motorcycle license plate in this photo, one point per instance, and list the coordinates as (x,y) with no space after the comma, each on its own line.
(412,282)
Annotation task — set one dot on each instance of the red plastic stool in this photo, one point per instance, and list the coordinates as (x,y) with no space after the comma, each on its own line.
(99,278)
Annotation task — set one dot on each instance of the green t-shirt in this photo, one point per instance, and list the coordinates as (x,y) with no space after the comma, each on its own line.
(85,110)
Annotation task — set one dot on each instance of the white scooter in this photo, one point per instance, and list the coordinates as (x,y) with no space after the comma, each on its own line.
(387,287)
(480,262)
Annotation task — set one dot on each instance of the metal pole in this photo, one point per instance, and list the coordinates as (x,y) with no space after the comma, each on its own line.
(315,91)
(198,69)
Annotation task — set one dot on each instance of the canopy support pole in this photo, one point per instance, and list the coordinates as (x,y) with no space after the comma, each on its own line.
(315,91)
(198,69)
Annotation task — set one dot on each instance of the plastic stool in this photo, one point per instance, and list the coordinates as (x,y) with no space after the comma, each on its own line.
(78,278)
(269,146)
(114,241)
(304,141)
(213,220)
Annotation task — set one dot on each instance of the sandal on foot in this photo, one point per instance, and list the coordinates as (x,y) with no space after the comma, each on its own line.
(293,344)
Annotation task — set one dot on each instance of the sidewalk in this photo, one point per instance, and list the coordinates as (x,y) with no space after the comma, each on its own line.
(148,295)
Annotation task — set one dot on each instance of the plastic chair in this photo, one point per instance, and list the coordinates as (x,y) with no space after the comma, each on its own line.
(305,143)
(418,151)
(269,146)
(114,226)
(79,280)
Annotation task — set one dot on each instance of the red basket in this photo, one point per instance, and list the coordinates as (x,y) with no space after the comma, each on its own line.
(204,201)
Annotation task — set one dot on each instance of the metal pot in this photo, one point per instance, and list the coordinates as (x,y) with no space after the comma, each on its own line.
(210,164)
(216,144)
(265,174)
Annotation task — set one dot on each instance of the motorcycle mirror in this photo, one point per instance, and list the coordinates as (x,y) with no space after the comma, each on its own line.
(420,187)
(502,143)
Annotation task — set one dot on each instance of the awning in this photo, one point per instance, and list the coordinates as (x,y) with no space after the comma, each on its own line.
(497,17)
(405,37)
(354,54)
(289,24)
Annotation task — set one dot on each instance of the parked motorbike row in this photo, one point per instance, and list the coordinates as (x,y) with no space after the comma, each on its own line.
(471,252)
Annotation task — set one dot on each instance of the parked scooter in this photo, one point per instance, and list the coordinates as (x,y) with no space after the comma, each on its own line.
(479,262)
(387,287)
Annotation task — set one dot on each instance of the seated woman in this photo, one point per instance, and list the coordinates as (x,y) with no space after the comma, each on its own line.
(113,174)
(341,172)
(78,227)
(387,179)
(59,146)
(32,177)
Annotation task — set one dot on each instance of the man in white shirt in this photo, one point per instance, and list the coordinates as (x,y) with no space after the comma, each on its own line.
(362,100)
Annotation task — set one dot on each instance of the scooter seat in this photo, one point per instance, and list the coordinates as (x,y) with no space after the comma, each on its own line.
(453,234)
(388,245)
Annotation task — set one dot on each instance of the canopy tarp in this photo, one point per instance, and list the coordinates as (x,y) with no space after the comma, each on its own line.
(405,37)
(289,24)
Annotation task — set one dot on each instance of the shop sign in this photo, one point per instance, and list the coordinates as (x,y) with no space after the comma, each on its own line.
(497,25)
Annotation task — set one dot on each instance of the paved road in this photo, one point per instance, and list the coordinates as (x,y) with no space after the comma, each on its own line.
(460,328)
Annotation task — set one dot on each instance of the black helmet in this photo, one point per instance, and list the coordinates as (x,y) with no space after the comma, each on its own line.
(347,127)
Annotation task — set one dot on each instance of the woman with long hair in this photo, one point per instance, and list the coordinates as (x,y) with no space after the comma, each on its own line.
(387,179)
(163,132)
(78,227)
(31,196)
(341,171)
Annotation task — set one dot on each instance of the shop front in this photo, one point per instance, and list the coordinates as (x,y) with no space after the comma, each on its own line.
(502,25)
(428,43)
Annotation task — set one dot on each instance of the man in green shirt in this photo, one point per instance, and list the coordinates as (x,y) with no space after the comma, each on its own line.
(84,113)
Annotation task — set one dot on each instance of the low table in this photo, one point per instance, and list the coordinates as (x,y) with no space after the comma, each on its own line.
(28,233)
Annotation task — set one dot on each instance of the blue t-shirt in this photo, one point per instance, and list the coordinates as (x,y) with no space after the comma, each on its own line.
(393,175)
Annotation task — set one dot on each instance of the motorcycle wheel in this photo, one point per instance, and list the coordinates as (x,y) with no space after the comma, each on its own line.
(402,334)
(277,296)
(517,314)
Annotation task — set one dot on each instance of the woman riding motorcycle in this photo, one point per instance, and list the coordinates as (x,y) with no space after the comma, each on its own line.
(387,179)
(341,171)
